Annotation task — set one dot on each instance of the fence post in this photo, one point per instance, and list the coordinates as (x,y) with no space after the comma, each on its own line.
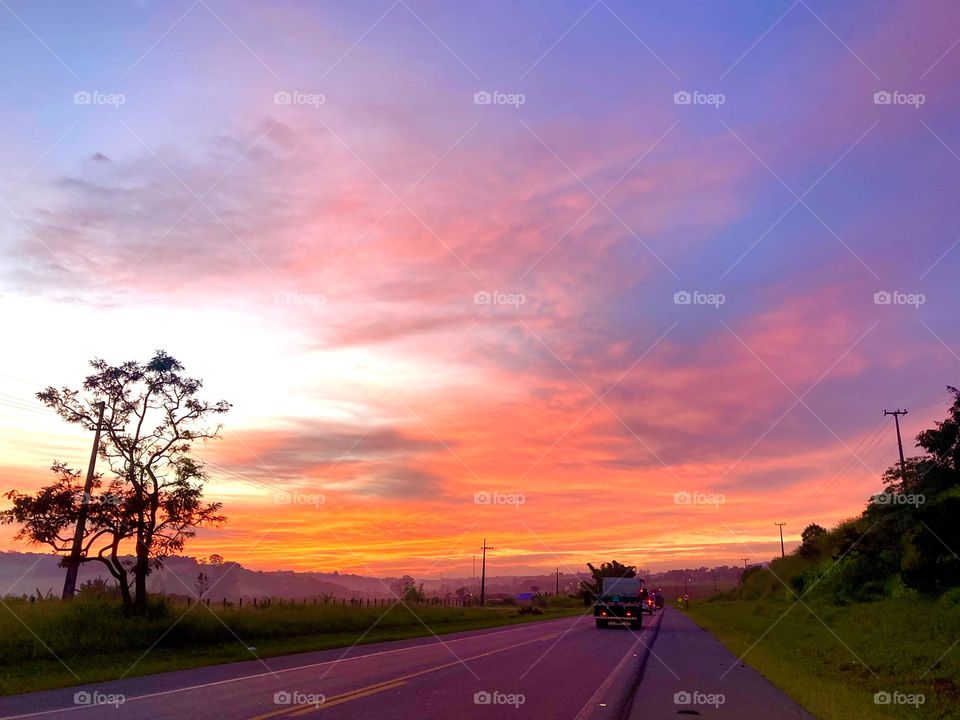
(241,604)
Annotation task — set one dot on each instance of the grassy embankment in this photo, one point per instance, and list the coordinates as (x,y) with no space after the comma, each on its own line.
(834,667)
(94,640)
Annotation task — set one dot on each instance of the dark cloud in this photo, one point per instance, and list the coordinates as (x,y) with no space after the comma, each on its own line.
(320,456)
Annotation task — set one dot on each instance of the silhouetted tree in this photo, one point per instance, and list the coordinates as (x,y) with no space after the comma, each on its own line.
(612,569)
(49,517)
(811,538)
(152,418)
(202,584)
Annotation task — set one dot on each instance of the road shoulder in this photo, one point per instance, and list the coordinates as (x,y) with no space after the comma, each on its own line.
(690,672)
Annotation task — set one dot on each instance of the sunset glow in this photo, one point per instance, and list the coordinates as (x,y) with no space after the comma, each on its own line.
(577,316)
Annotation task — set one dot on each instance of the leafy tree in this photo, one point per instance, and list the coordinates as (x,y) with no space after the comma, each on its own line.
(929,560)
(811,540)
(407,590)
(49,517)
(414,593)
(152,418)
(612,569)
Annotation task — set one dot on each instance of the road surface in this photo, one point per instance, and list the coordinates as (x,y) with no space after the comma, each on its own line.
(565,669)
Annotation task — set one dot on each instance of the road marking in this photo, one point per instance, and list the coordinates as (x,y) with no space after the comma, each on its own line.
(335,700)
(397,681)
(256,676)
(351,696)
(594,700)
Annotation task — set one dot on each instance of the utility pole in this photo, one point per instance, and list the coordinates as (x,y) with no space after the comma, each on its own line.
(73,564)
(558,582)
(744,569)
(782,553)
(483,571)
(896,419)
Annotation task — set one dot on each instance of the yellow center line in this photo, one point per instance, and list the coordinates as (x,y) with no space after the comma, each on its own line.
(392,682)
(347,697)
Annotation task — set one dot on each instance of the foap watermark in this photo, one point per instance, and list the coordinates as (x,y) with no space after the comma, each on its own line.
(297,97)
(95,97)
(896,499)
(298,498)
(499,298)
(895,97)
(699,498)
(86,498)
(695,697)
(97,698)
(495,697)
(483,497)
(686,97)
(296,697)
(895,297)
(292,298)
(486,97)
(696,297)
(885,697)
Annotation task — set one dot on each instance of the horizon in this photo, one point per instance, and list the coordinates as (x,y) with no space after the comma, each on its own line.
(636,288)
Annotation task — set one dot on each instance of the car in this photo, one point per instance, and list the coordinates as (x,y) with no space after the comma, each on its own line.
(647,605)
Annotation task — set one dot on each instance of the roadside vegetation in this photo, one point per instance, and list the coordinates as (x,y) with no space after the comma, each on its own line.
(887,646)
(871,606)
(97,640)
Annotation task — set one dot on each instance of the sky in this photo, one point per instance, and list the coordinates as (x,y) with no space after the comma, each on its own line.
(591,280)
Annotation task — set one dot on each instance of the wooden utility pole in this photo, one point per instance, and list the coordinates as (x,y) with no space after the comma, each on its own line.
(558,582)
(896,419)
(782,553)
(483,571)
(73,564)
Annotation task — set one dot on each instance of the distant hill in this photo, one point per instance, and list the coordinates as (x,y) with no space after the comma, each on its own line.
(27,573)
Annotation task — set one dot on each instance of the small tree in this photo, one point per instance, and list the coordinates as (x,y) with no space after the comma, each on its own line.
(203,584)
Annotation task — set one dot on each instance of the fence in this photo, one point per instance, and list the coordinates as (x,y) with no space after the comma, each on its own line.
(341,602)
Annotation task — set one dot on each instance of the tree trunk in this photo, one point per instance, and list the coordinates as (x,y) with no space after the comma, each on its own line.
(125,595)
(140,570)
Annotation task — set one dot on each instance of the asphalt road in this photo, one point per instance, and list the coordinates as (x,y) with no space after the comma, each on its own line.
(565,669)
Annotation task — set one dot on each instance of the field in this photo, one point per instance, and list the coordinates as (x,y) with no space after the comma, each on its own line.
(43,644)
(833,659)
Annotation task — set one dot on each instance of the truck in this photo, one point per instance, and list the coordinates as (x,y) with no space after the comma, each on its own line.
(620,601)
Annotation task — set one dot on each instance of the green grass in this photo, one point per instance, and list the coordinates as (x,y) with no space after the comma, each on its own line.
(865,648)
(94,640)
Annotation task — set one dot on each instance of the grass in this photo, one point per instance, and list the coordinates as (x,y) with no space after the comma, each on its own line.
(834,667)
(43,644)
